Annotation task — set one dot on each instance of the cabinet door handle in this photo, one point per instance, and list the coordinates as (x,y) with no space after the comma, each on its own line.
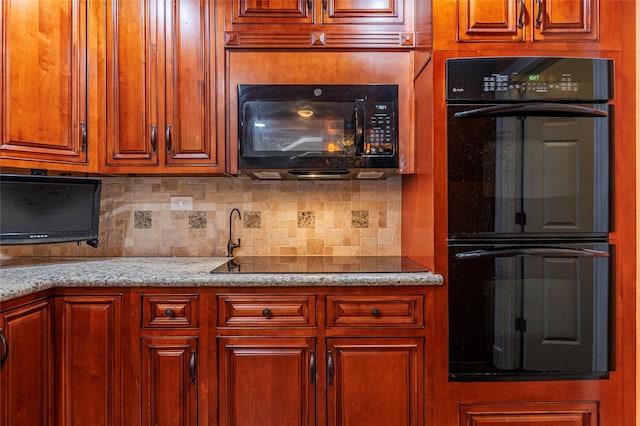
(192,367)
(154,138)
(83,133)
(521,14)
(539,14)
(309,5)
(330,368)
(324,5)
(312,367)
(5,349)
(167,136)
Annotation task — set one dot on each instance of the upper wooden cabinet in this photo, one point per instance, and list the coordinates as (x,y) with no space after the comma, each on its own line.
(45,84)
(527,20)
(161,88)
(319,23)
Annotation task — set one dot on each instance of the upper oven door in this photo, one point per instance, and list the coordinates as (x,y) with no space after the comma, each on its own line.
(541,170)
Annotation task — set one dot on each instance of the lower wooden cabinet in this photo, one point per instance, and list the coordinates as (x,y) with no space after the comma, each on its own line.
(89,363)
(375,381)
(169,380)
(26,365)
(530,414)
(267,381)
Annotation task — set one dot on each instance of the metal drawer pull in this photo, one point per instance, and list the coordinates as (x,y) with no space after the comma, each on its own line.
(312,367)
(376,312)
(330,368)
(169,313)
(5,349)
(192,367)
(266,312)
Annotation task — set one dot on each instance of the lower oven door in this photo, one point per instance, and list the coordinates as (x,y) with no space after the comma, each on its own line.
(528,311)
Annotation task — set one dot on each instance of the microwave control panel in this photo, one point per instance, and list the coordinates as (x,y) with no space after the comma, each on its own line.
(380,128)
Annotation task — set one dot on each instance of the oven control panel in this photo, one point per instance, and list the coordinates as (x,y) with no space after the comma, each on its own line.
(533,78)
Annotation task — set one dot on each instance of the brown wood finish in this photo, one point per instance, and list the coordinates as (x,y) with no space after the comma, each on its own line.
(511,21)
(26,377)
(356,67)
(267,381)
(318,24)
(179,311)
(577,25)
(266,311)
(44,88)
(375,381)
(556,414)
(169,380)
(89,364)
(161,88)
(375,311)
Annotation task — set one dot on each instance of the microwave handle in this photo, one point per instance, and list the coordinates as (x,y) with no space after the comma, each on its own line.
(359,119)
(532,109)
(531,251)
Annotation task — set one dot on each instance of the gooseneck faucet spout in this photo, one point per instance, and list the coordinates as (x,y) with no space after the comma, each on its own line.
(230,244)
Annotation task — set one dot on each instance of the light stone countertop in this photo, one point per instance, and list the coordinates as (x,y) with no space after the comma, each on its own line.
(19,277)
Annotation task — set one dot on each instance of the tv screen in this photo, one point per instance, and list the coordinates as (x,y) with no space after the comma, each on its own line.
(48,209)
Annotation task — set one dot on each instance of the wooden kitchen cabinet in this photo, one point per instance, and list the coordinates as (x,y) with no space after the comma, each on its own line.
(49,79)
(161,88)
(26,369)
(375,381)
(169,380)
(166,362)
(343,358)
(270,381)
(89,364)
(318,23)
(528,20)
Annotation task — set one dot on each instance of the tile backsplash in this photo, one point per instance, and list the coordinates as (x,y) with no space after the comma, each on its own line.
(334,218)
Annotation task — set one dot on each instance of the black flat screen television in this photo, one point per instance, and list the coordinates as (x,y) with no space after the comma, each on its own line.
(49,209)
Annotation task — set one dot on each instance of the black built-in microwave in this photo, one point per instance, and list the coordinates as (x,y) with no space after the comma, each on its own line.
(318,131)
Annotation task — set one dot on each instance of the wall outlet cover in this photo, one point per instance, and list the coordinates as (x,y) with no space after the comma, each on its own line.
(181,203)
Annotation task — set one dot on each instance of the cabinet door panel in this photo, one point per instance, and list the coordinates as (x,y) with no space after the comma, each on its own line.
(270,12)
(169,386)
(90,357)
(43,88)
(363,12)
(490,20)
(566,20)
(189,88)
(375,381)
(267,381)
(133,56)
(25,378)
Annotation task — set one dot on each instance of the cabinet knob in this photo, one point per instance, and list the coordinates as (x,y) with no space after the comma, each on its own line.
(376,312)
(169,313)
(266,312)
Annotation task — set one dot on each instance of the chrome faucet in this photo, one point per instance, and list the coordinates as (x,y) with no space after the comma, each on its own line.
(231,245)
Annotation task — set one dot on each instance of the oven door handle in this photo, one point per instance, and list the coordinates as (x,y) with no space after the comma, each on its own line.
(532,109)
(531,251)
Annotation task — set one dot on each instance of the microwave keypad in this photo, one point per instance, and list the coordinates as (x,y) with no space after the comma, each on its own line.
(380,139)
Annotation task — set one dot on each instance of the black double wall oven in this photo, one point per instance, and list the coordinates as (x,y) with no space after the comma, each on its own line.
(528,146)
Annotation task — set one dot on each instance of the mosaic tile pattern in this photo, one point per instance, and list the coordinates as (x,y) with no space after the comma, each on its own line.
(330,218)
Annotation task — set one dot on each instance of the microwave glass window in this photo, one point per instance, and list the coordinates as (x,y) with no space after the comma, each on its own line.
(299,128)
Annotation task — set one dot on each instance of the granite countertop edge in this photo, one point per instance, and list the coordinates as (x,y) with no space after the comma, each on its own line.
(27,277)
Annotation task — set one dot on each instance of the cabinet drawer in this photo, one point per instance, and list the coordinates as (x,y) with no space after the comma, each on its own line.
(161,311)
(266,311)
(375,311)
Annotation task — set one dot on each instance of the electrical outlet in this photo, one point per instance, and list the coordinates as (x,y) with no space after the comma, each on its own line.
(181,203)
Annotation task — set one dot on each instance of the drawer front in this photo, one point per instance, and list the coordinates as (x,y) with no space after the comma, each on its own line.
(266,311)
(375,311)
(170,311)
